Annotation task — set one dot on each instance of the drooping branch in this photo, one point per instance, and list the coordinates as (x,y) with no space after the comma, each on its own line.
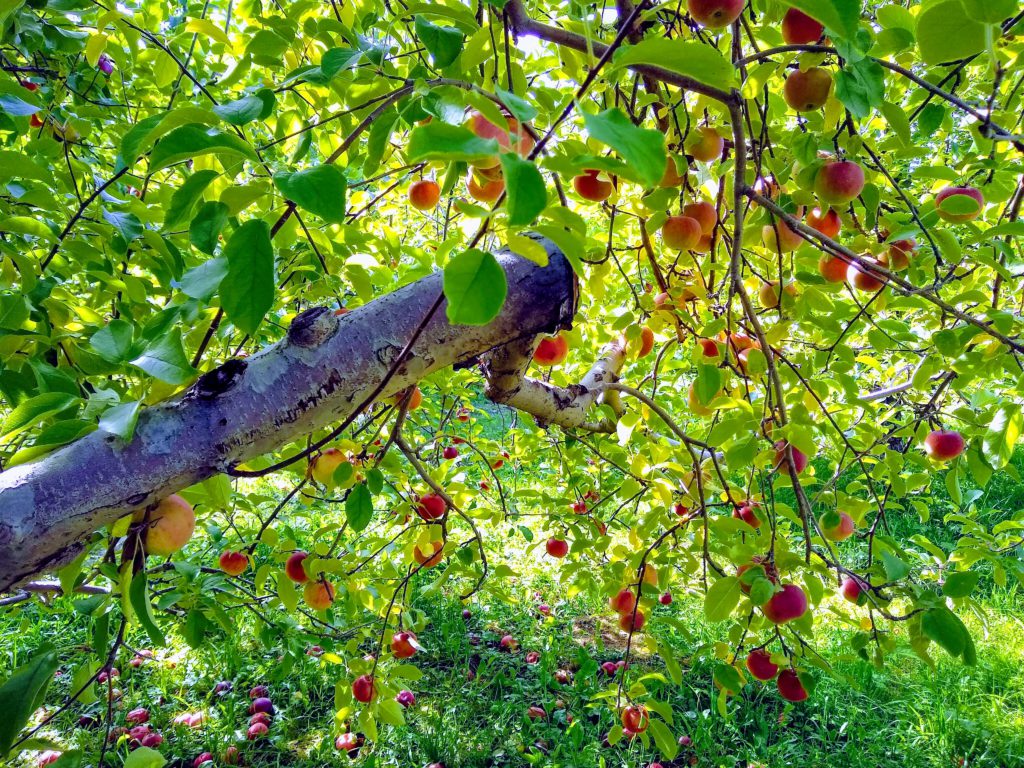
(245,408)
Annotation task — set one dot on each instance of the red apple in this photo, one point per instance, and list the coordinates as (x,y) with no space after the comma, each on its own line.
(431,506)
(508,643)
(450,452)
(836,526)
(363,689)
(681,233)
(406,699)
(424,194)
(591,187)
(747,514)
(827,222)
(715,14)
(962,193)
(852,590)
(261,704)
(863,280)
(799,458)
(800,29)
(784,606)
(557,547)
(624,601)
(551,350)
(839,182)
(665,598)
(759,664)
(404,645)
(635,718)
(790,687)
(233,563)
(944,445)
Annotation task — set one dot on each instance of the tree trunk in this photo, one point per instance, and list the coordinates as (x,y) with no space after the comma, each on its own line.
(325,368)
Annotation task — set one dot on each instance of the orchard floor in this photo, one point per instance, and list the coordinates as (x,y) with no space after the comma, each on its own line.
(904,715)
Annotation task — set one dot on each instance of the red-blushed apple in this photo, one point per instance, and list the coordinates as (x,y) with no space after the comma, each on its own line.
(780,237)
(852,590)
(424,194)
(759,664)
(861,279)
(681,509)
(709,349)
(633,621)
(715,14)
(532,657)
(431,506)
(258,691)
(610,668)
(790,687)
(364,690)
(579,507)
(260,717)
(508,643)
(962,196)
(695,405)
(204,757)
(152,740)
(672,177)
(108,674)
(261,704)
(233,563)
(563,676)
(429,554)
(450,452)
(897,257)
(557,547)
(590,186)
(704,213)
(170,526)
(799,457)
(944,445)
(415,398)
(800,29)
(137,716)
(536,713)
(784,606)
(665,598)
(484,190)
(806,91)
(551,350)
(827,222)
(680,233)
(404,645)
(646,342)
(323,466)
(406,699)
(836,526)
(347,742)
(635,718)
(747,513)
(833,269)
(222,687)
(839,182)
(318,594)
(511,138)
(624,601)
(257,731)
(706,144)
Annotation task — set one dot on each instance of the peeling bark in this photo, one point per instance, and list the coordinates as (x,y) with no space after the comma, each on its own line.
(314,378)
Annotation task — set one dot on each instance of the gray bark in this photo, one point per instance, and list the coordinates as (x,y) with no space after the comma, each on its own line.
(246,408)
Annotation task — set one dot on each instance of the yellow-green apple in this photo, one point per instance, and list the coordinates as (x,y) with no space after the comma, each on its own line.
(808,90)
(170,526)
(706,144)
(839,182)
(836,525)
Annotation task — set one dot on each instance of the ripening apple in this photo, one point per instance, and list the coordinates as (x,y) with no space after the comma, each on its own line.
(800,29)
(505,136)
(347,742)
(363,689)
(256,731)
(430,556)
(624,601)
(681,233)
(323,466)
(557,547)
(705,214)
(944,445)
(170,526)
(709,349)
(748,514)
(808,90)
(233,563)
(715,14)
(487,191)
(840,182)
(768,294)
(695,405)
(431,506)
(665,598)
(633,621)
(450,452)
(960,192)
(415,398)
(827,222)
(551,350)
(786,605)
(406,698)
(897,257)
(759,664)
(258,691)
(779,236)
(852,590)
(799,457)
(293,567)
(836,526)
(790,687)
(707,144)
(646,342)
(635,718)
(590,186)
(671,177)
(508,643)
(649,575)
(424,194)
(404,645)
(833,269)
(863,280)
(318,595)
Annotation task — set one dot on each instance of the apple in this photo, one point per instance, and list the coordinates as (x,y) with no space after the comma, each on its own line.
(768,294)
(695,405)
(256,731)
(318,595)
(347,742)
(747,514)
(363,689)
(260,717)
(450,452)
(800,29)
(415,398)
(959,192)
(404,645)
(105,64)
(536,713)
(715,14)
(852,590)
(467,614)
(827,222)
(431,506)
(609,668)
(233,563)
(293,568)
(836,526)
(428,559)
(779,236)
(681,233)
(897,257)
(551,350)
(557,547)
(709,349)
(485,129)
(707,144)
(633,621)
(532,657)
(222,687)
(137,716)
(799,458)
(646,342)
(759,664)
(833,269)
(105,675)
(790,687)
(591,187)
(406,699)
(635,718)
(705,214)
(152,740)
(944,445)
(230,756)
(261,705)
(258,690)
(624,601)
(205,757)
(665,598)
(28,85)
(323,466)
(486,192)
(863,280)
(808,90)
(671,177)
(424,194)
(786,605)
(839,182)
(508,643)
(681,510)
(170,526)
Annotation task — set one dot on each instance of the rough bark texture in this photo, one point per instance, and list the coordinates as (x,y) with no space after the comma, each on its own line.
(245,408)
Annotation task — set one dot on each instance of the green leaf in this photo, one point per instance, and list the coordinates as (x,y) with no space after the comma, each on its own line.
(339,59)
(120,420)
(1004,429)
(203,281)
(16,107)
(520,108)
(946,32)
(642,148)
(319,190)
(991,11)
(861,87)
(206,226)
(443,43)
(841,16)
(945,628)
(359,507)
(22,693)
(443,141)
(165,359)
(701,62)
(34,410)
(728,678)
(114,342)
(898,122)
(475,287)
(144,757)
(664,739)
(960,583)
(524,187)
(186,196)
(127,224)
(241,111)
(708,383)
(377,143)
(190,141)
(722,598)
(895,568)
(139,596)
(247,292)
